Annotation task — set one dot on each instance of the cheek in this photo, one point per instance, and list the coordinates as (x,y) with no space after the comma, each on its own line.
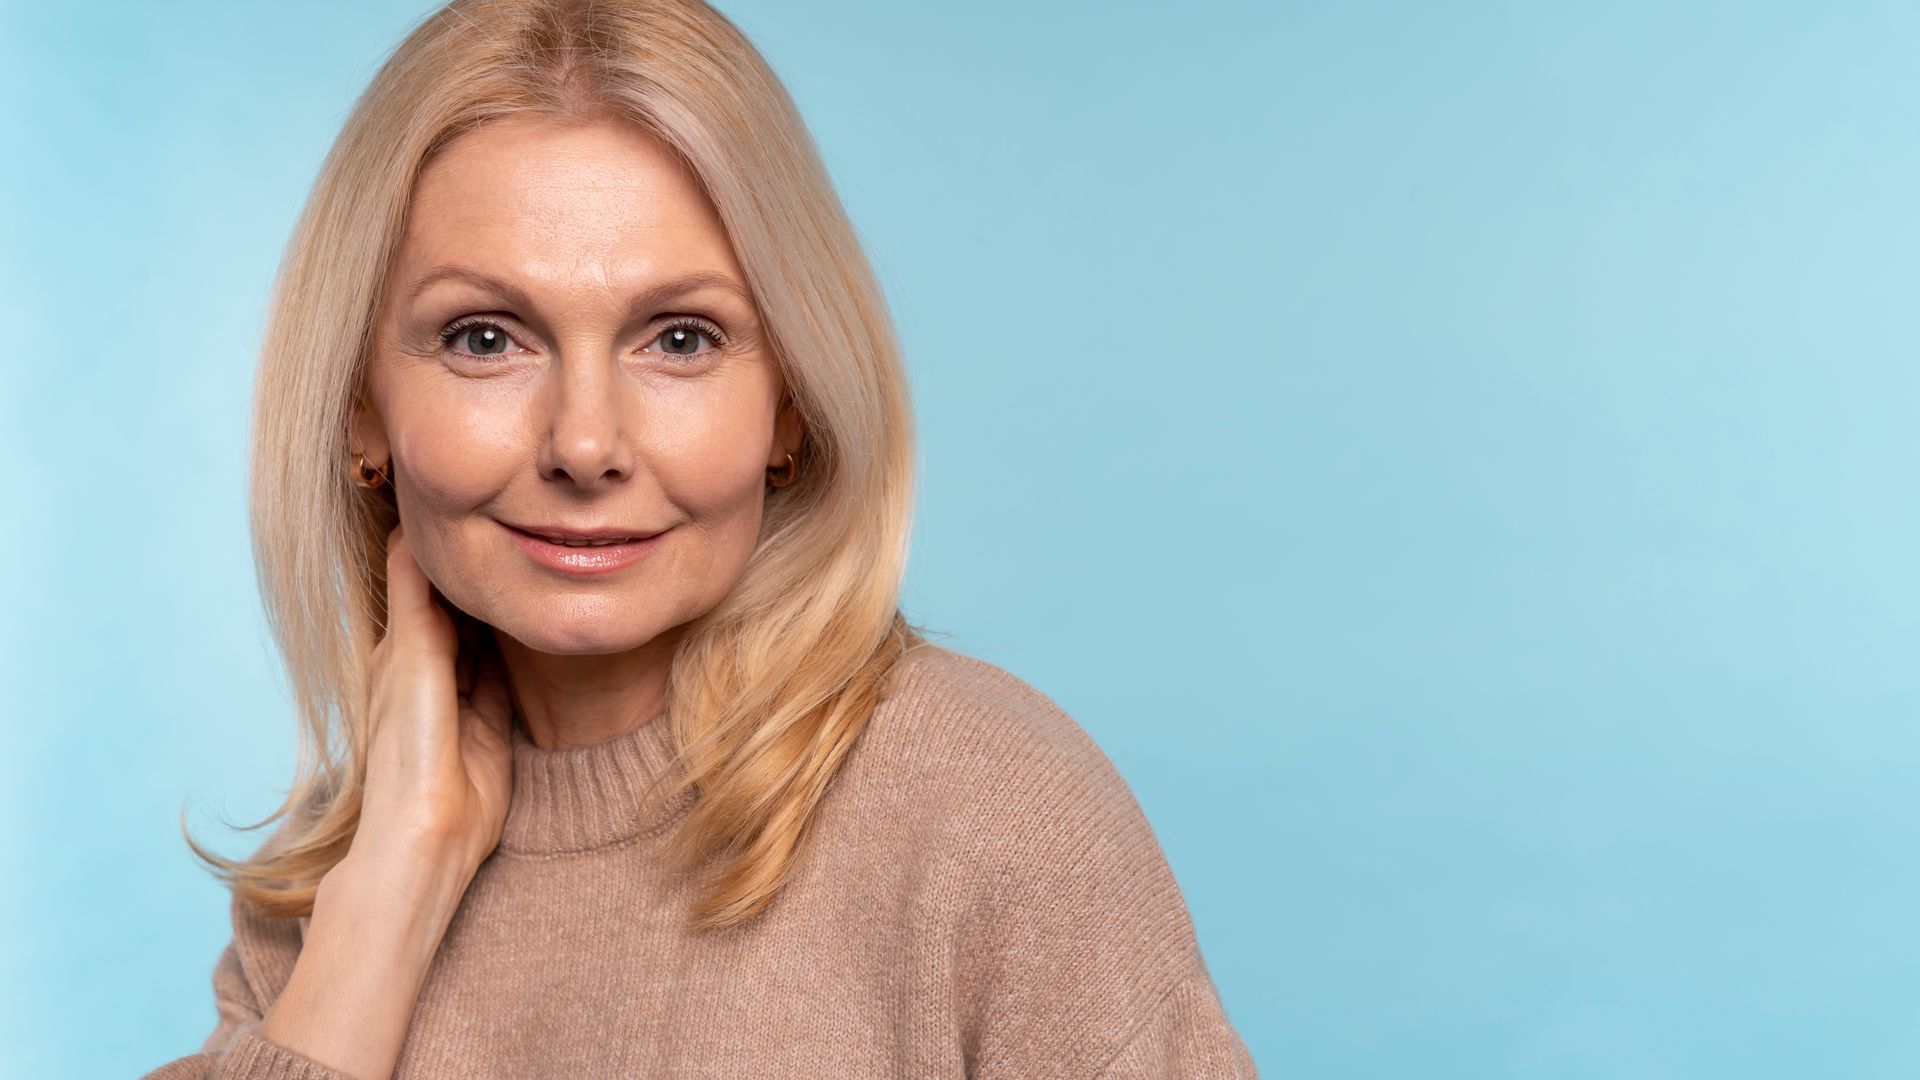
(710,455)
(455,450)
(455,454)
(450,463)
(703,443)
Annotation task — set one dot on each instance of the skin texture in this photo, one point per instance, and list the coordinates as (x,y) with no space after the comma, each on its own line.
(575,410)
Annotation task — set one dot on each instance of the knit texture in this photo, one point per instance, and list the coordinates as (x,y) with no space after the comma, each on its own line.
(982,897)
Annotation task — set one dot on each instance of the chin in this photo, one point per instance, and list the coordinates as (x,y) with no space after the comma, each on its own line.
(574,644)
(562,632)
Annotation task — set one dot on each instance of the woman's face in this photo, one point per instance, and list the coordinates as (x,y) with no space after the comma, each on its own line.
(566,341)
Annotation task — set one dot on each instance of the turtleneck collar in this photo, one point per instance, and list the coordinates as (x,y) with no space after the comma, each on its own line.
(585,797)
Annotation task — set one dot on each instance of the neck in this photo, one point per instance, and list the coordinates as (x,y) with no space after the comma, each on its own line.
(583,700)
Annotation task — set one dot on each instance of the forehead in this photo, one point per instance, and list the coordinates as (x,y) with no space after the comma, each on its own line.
(556,198)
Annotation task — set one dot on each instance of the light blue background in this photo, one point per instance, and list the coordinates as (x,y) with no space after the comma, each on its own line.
(1456,458)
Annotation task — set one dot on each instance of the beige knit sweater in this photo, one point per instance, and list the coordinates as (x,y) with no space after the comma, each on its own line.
(984,898)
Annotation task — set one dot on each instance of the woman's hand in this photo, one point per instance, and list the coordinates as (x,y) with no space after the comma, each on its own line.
(439,773)
(440,752)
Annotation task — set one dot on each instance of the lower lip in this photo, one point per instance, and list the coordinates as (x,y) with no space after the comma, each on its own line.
(599,559)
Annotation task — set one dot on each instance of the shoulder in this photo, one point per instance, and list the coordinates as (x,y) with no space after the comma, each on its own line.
(1016,793)
(963,708)
(1068,916)
(1005,780)
(971,731)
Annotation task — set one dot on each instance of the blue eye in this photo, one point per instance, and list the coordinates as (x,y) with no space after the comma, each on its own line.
(482,338)
(482,332)
(682,337)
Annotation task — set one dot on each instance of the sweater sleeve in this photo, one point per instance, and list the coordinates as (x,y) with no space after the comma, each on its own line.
(1078,956)
(236,1050)
(1186,1034)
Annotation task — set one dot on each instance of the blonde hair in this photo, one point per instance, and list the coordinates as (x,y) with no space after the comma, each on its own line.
(769,691)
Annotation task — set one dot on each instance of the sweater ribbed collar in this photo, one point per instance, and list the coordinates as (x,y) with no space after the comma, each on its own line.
(583,797)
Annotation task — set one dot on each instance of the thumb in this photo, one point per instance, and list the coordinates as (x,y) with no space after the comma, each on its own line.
(414,617)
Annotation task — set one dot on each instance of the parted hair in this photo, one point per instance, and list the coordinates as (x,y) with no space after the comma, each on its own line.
(767,692)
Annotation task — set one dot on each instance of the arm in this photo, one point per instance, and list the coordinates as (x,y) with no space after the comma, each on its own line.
(345,1010)
(235,1048)
(1187,1034)
(375,929)
(439,777)
(1078,957)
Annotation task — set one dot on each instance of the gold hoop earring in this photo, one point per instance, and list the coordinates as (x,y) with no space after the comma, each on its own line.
(792,471)
(367,475)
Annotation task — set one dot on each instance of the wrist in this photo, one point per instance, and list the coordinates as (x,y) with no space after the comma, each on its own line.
(409,860)
(405,898)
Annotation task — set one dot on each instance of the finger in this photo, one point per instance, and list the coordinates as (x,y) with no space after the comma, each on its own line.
(413,615)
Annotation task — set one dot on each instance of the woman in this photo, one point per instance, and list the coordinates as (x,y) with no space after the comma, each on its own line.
(582,488)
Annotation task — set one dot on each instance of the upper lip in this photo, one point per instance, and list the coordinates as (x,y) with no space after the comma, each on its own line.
(572,532)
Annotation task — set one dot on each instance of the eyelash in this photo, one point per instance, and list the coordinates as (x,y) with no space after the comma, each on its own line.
(684,322)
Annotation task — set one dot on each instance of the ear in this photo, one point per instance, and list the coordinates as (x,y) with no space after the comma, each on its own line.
(788,432)
(369,433)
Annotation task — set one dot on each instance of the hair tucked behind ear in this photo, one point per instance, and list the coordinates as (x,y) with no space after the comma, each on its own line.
(769,690)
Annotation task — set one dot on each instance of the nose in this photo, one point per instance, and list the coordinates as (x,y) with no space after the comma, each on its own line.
(586,424)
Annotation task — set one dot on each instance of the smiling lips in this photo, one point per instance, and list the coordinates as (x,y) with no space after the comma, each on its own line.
(566,532)
(583,551)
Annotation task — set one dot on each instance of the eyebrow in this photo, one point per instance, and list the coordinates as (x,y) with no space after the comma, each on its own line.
(643,302)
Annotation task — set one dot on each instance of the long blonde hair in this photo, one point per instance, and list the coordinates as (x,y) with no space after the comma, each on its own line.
(769,691)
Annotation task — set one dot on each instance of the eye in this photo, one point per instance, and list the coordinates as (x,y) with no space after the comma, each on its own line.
(681,338)
(484,337)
